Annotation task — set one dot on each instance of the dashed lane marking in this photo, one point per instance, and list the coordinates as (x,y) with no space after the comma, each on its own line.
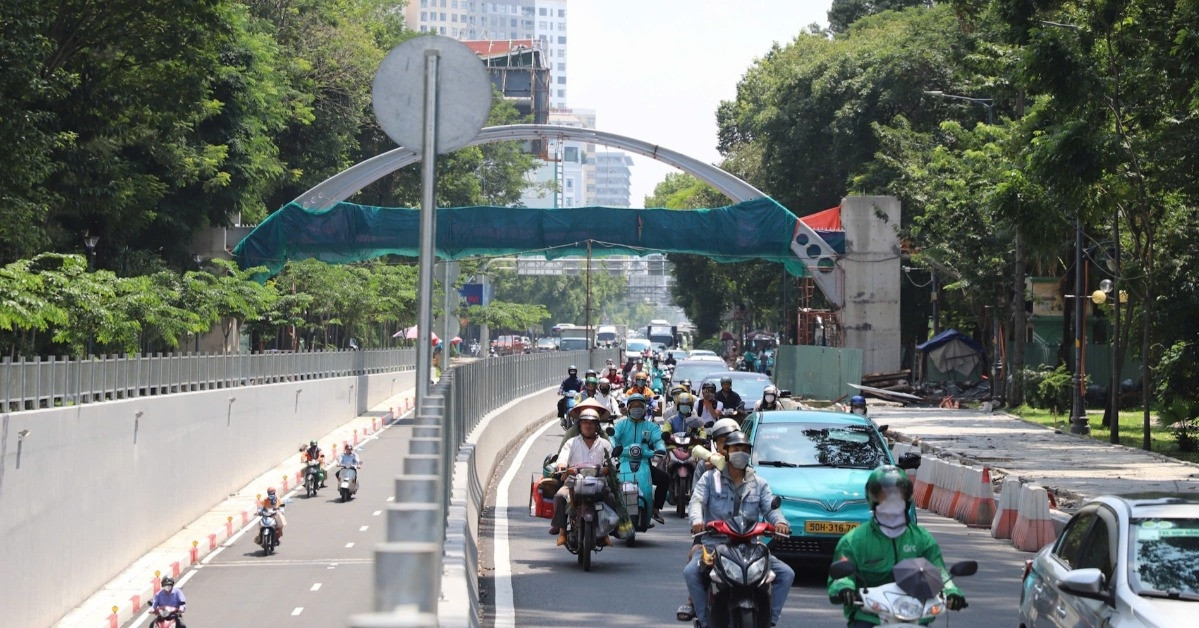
(297,611)
(316,587)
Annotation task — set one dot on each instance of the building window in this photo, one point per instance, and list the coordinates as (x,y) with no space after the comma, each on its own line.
(423,28)
(570,184)
(443,17)
(571,154)
(513,26)
(541,25)
(443,6)
(454,18)
(442,30)
(424,3)
(422,16)
(562,39)
(561,67)
(542,12)
(453,4)
(561,80)
(561,93)
(562,13)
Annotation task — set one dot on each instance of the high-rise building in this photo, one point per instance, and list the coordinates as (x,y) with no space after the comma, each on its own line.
(612,179)
(541,20)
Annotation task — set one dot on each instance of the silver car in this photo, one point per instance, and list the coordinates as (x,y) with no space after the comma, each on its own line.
(1129,560)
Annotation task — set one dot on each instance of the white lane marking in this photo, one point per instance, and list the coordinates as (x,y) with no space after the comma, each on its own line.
(349,545)
(316,587)
(182,581)
(376,513)
(299,609)
(392,498)
(363,528)
(505,612)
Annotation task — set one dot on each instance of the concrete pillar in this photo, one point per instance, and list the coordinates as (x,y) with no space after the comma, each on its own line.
(872,280)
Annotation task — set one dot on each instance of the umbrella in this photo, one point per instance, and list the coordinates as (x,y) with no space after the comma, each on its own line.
(455,340)
(918,578)
(409,333)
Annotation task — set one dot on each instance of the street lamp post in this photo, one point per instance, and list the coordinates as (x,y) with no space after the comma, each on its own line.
(1078,415)
(90,241)
(199,261)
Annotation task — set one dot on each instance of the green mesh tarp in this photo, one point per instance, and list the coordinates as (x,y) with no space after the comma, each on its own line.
(757,229)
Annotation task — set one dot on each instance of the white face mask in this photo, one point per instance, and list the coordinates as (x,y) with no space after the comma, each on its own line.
(892,516)
(769,398)
(739,459)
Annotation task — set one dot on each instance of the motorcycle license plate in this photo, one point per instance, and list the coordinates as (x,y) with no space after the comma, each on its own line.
(829,527)
(345,484)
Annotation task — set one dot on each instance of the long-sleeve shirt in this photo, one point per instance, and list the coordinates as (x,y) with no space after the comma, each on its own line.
(575,452)
(713,500)
(174,598)
(645,433)
(349,460)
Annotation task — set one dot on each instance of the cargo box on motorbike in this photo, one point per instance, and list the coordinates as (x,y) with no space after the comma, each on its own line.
(541,497)
(590,487)
(630,496)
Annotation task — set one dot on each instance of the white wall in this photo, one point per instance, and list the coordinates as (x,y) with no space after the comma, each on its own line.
(98,485)
(872,276)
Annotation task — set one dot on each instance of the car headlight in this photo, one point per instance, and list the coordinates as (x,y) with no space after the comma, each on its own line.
(905,607)
(756,570)
(732,570)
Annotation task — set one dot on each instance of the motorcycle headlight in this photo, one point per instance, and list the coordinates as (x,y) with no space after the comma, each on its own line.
(906,608)
(732,570)
(756,570)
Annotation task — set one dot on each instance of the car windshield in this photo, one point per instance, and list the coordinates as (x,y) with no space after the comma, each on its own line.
(696,371)
(750,388)
(636,345)
(819,445)
(1164,555)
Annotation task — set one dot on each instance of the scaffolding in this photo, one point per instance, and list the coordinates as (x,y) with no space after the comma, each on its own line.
(816,324)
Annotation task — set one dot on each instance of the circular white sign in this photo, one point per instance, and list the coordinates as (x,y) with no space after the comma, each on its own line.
(463,93)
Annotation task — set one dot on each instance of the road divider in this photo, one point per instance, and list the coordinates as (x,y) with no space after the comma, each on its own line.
(1007,507)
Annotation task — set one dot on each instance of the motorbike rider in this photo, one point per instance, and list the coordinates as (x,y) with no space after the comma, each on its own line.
(313,452)
(272,502)
(769,400)
(590,384)
(729,397)
(605,416)
(614,376)
(718,496)
(572,384)
(857,405)
(709,408)
(348,458)
(684,419)
(635,429)
(586,448)
(641,387)
(605,396)
(171,596)
(889,537)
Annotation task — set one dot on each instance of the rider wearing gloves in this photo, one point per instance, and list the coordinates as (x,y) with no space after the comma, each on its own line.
(720,495)
(729,397)
(170,596)
(572,384)
(585,449)
(769,400)
(635,429)
(888,538)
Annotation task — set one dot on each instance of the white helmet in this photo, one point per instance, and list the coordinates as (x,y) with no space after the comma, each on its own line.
(724,427)
(772,392)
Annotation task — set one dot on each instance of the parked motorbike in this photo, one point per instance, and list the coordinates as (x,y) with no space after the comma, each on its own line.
(268,531)
(637,486)
(680,466)
(347,477)
(739,574)
(917,595)
(164,617)
(312,477)
(589,519)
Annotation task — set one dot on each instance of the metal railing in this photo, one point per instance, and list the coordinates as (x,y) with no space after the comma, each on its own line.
(29,384)
(426,527)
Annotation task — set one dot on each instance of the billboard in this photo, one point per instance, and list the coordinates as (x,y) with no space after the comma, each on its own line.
(476,293)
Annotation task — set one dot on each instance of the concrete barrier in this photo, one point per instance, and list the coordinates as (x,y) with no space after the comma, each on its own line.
(976,508)
(1033,528)
(129,469)
(923,487)
(1006,509)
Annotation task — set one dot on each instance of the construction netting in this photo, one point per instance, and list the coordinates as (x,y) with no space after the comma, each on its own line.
(756,229)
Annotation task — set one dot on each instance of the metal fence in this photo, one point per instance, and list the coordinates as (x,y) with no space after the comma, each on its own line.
(29,384)
(817,372)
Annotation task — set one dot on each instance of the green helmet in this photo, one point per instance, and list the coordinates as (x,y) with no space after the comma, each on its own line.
(885,478)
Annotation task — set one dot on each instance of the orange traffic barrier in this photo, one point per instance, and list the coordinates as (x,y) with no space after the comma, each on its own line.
(1007,507)
(922,487)
(976,508)
(1033,528)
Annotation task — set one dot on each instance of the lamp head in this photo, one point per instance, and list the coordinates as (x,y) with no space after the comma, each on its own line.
(1106,285)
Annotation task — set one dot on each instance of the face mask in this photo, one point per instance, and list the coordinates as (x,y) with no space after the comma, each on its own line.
(605,389)
(769,398)
(739,459)
(684,410)
(168,589)
(636,413)
(892,517)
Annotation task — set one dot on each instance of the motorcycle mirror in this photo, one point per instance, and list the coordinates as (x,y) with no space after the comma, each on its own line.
(616,451)
(883,428)
(842,569)
(709,423)
(610,431)
(910,460)
(784,394)
(776,502)
(964,568)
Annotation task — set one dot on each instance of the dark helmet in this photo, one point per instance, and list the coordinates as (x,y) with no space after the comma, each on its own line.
(590,373)
(573,370)
(884,479)
(857,400)
(737,438)
(168,581)
(726,380)
(708,386)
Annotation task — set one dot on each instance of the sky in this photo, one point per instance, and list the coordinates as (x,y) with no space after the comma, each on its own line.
(656,70)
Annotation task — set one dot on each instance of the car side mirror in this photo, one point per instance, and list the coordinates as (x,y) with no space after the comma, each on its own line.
(784,394)
(1085,583)
(842,569)
(910,460)
(964,568)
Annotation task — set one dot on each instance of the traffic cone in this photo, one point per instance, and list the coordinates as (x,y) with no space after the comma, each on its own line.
(1033,528)
(1009,504)
(977,505)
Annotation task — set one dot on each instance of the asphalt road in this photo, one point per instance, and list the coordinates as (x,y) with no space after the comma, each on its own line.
(322,572)
(643,586)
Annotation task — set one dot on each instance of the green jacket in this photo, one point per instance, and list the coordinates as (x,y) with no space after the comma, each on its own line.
(875,556)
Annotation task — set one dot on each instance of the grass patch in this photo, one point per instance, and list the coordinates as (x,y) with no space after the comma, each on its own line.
(1131,427)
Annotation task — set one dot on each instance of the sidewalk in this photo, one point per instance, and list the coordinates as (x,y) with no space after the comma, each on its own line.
(216,529)
(1072,467)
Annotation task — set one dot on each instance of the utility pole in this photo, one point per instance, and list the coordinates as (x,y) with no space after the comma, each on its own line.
(1078,415)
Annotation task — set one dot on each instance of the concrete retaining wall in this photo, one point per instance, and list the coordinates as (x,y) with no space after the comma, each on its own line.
(91,488)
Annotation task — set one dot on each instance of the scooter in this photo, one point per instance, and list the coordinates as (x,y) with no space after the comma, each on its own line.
(636,484)
(590,519)
(917,595)
(312,477)
(680,466)
(739,576)
(347,485)
(164,617)
(268,535)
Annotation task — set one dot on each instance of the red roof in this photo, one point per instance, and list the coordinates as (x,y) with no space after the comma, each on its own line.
(827,220)
(493,47)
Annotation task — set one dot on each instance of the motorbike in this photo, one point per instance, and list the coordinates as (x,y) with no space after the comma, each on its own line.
(739,574)
(680,466)
(571,401)
(637,486)
(347,485)
(268,534)
(312,477)
(164,617)
(916,596)
(590,519)
(474,349)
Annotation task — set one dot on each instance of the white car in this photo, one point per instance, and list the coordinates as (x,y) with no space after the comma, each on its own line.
(1120,561)
(704,354)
